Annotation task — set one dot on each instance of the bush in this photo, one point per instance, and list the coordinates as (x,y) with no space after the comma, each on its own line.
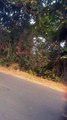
(32,72)
(15,66)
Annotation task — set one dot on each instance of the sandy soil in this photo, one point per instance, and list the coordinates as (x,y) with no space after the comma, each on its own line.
(31,78)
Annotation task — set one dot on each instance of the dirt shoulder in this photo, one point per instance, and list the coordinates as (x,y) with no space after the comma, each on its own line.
(34,79)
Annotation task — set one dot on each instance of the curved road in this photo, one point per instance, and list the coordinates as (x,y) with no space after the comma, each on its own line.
(23,100)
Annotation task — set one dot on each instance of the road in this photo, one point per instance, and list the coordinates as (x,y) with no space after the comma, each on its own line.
(24,100)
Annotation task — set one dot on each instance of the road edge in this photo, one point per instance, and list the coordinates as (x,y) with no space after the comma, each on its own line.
(38,80)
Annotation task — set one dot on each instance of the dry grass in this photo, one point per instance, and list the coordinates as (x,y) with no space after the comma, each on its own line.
(38,80)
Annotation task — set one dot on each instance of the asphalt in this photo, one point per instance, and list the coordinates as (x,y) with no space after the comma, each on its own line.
(24,100)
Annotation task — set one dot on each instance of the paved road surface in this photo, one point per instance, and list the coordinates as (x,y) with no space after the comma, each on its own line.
(23,100)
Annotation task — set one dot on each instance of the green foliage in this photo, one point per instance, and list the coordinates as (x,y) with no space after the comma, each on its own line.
(32,72)
(26,50)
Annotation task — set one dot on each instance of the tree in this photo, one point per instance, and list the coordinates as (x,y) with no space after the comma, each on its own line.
(24,25)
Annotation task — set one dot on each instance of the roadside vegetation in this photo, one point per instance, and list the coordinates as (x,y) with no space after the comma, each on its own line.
(33,37)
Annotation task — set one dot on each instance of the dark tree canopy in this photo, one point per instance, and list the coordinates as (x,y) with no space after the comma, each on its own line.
(35,33)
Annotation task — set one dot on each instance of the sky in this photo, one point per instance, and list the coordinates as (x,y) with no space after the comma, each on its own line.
(62,44)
